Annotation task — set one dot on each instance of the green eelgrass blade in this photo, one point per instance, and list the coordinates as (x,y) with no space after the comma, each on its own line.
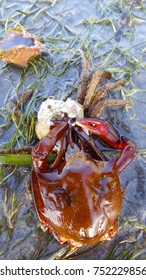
(18,159)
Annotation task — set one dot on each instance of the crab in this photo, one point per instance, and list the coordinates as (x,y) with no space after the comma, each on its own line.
(78,197)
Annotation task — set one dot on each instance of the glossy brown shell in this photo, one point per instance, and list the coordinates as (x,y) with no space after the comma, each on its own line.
(80,202)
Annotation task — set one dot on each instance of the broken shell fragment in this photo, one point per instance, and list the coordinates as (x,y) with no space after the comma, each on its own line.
(55,110)
(19,47)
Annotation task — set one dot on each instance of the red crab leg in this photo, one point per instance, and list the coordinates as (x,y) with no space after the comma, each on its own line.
(60,154)
(45,146)
(89,142)
(104,130)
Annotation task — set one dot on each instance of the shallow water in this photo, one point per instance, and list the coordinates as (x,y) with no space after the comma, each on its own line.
(112,34)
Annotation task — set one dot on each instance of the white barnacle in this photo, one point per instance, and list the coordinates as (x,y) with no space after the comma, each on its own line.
(51,110)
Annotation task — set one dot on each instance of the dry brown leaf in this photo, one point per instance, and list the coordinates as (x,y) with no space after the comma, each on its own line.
(19,47)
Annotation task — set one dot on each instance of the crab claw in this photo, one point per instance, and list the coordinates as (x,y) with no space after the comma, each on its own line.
(101,128)
(104,130)
(46,145)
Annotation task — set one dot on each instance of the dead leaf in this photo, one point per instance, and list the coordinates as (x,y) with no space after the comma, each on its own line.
(19,47)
